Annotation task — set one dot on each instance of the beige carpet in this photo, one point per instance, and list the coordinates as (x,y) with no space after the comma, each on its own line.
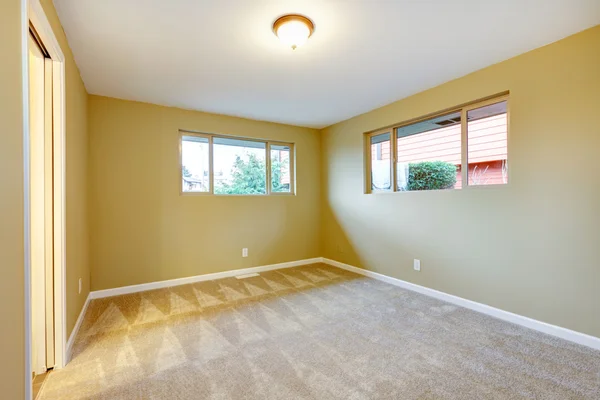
(312,332)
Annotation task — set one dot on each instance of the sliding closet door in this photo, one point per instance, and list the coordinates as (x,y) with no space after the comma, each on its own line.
(49,211)
(41,197)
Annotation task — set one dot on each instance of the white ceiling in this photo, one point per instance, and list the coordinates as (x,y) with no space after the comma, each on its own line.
(221,56)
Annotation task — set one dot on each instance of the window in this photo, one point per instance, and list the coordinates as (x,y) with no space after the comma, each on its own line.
(487,140)
(194,161)
(280,168)
(429,154)
(224,165)
(239,166)
(381,171)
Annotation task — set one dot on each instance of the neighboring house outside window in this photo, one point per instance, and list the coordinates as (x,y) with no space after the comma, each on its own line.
(430,153)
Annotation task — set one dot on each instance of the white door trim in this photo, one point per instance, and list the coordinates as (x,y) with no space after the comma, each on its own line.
(33,13)
(26,194)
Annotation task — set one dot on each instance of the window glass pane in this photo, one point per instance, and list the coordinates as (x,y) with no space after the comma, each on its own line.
(194,164)
(429,154)
(280,169)
(381,173)
(239,166)
(487,145)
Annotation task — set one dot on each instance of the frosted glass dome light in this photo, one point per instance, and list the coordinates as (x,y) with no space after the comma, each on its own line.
(293,30)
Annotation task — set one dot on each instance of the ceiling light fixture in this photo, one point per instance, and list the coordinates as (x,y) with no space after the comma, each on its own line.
(293,29)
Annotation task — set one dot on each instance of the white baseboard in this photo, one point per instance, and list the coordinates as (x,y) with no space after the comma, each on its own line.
(557,331)
(563,333)
(198,278)
(75,331)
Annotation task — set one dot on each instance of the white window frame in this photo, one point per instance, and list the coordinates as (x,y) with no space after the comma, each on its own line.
(268,144)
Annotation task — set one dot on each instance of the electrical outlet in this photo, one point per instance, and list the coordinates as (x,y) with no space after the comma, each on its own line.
(79,285)
(417,265)
(244,252)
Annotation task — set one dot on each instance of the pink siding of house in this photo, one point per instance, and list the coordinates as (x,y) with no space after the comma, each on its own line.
(380,151)
(487,139)
(439,145)
(493,175)
(487,142)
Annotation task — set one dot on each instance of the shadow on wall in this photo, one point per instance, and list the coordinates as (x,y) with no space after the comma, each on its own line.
(366,235)
(341,248)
